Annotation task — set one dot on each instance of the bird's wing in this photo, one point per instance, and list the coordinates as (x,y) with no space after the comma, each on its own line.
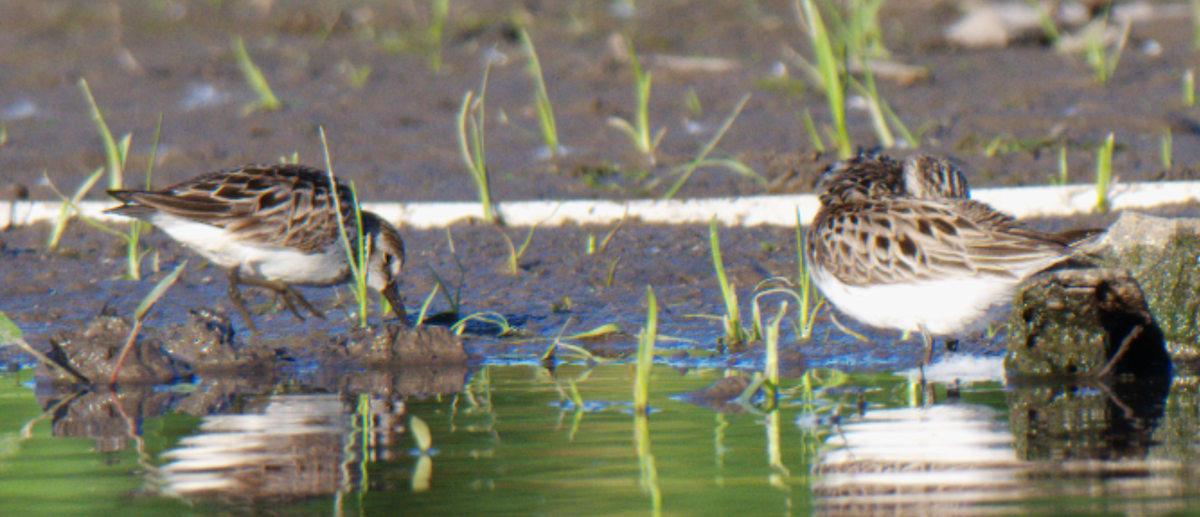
(905,240)
(275,205)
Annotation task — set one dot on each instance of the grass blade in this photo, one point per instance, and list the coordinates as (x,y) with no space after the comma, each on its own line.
(113,154)
(1104,173)
(645,356)
(158,291)
(691,167)
(255,79)
(60,224)
(830,68)
(734,334)
(541,99)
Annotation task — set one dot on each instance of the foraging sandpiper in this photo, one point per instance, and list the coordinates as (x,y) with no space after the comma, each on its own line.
(273,226)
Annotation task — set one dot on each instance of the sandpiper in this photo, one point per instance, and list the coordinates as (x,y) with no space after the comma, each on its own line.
(900,245)
(273,226)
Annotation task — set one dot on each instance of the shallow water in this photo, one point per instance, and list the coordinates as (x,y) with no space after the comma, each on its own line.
(507,440)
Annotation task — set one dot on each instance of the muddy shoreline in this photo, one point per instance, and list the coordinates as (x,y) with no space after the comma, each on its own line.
(558,288)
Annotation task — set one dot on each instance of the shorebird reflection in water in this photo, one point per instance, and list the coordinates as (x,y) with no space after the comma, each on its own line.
(273,226)
(900,245)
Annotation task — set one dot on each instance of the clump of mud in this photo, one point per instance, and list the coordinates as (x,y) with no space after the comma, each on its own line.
(92,351)
(206,344)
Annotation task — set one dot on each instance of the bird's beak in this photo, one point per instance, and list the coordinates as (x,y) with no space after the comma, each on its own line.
(391,292)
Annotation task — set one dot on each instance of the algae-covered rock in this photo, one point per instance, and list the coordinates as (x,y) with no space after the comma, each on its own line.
(1162,255)
(1072,322)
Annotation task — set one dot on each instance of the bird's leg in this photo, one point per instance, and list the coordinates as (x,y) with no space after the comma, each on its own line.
(291,291)
(927,355)
(235,296)
(259,310)
(289,294)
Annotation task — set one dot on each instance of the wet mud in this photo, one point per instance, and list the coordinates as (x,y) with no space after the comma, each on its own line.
(389,99)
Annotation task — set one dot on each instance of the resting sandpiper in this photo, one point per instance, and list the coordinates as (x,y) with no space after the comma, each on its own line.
(900,245)
(273,226)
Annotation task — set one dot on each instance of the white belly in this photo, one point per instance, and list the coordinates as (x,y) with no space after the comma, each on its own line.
(945,307)
(285,265)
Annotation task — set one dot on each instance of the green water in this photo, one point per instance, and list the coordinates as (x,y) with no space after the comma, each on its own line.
(510,441)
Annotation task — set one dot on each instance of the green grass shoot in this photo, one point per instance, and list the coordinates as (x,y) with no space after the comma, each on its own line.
(861,32)
(487,317)
(139,315)
(691,104)
(808,309)
(639,130)
(612,273)
(701,160)
(69,206)
(878,121)
(428,301)
(515,254)
(1101,60)
(814,138)
(613,233)
(356,252)
(1062,165)
(1195,10)
(255,79)
(541,99)
(1189,85)
(114,153)
(1165,145)
(472,146)
(1104,174)
(829,69)
(133,257)
(453,299)
(734,333)
(645,356)
(438,11)
(1046,21)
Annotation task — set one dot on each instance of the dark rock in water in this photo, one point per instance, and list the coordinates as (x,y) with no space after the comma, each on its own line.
(93,350)
(1073,322)
(393,343)
(1161,254)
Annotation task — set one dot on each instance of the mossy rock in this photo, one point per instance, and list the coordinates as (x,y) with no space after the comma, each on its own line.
(1073,322)
(1161,255)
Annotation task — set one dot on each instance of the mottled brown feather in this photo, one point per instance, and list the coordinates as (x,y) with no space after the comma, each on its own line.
(273,205)
(934,239)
